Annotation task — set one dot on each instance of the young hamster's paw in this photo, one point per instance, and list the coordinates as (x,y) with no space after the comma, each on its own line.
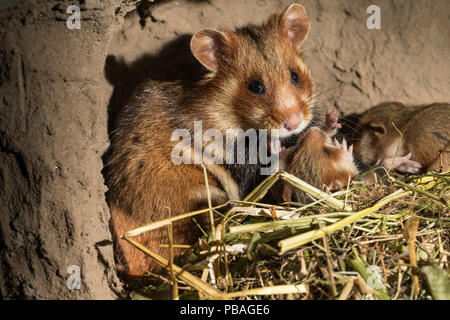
(348,151)
(331,122)
(345,166)
(403,164)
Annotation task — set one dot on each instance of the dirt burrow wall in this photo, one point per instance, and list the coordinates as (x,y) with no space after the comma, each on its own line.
(353,67)
(53,117)
(60,90)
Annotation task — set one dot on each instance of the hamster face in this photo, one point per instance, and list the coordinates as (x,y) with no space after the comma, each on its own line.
(258,74)
(273,85)
(371,145)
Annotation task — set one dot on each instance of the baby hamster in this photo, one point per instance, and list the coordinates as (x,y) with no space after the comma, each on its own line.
(410,139)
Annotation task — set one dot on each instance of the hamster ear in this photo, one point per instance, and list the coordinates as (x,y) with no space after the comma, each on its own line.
(378,128)
(206,45)
(296,23)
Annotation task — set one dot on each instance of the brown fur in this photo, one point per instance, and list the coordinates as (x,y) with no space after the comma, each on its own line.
(317,161)
(144,184)
(425,131)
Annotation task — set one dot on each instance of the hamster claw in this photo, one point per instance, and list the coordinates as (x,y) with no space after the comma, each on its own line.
(344,147)
(344,144)
(410,166)
(331,122)
(336,143)
(403,164)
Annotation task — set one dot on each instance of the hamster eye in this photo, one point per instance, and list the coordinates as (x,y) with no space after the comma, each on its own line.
(326,151)
(294,77)
(256,86)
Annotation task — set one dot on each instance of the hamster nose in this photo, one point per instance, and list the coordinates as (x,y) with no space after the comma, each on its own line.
(293,122)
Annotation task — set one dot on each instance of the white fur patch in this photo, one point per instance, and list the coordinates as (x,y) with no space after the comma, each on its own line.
(286,133)
(345,163)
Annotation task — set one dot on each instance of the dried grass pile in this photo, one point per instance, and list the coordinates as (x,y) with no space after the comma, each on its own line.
(388,240)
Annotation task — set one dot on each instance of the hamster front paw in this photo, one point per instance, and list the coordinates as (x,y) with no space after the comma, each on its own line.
(331,122)
(403,164)
(347,150)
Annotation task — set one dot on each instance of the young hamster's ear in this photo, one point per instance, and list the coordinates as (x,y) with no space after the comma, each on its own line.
(206,45)
(296,23)
(378,128)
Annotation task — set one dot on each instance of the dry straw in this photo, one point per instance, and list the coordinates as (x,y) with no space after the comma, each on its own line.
(250,226)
